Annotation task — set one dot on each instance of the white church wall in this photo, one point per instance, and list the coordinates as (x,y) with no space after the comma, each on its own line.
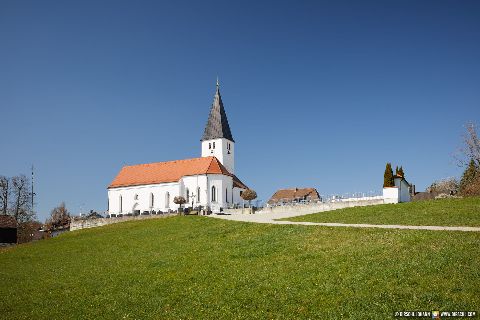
(223,191)
(139,198)
(224,151)
(195,184)
(237,199)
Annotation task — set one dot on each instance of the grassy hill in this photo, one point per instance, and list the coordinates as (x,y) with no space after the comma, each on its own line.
(202,268)
(442,212)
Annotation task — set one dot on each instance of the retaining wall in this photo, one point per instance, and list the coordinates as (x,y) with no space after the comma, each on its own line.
(92,223)
(314,207)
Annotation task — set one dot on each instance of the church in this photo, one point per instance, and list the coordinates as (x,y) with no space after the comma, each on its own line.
(208,181)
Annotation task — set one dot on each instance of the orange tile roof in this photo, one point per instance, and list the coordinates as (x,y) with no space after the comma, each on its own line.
(170,171)
(295,193)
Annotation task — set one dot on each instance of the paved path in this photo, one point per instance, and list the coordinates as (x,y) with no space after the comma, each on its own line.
(271,219)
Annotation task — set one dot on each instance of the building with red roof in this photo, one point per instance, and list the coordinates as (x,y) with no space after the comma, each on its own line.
(208,181)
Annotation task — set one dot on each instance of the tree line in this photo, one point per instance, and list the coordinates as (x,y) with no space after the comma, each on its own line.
(16,198)
(469,184)
(16,201)
(467,157)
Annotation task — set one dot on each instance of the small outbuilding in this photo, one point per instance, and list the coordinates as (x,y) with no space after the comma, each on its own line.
(8,229)
(401,192)
(294,195)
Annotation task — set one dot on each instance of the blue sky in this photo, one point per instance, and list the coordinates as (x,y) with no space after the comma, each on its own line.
(317,93)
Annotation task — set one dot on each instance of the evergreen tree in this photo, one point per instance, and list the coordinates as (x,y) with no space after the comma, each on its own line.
(400,172)
(396,171)
(469,175)
(388,176)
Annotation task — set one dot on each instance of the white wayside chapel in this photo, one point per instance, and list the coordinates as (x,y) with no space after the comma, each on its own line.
(208,181)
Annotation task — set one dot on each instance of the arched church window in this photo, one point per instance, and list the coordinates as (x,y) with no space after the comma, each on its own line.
(214,194)
(152,200)
(167,200)
(226,195)
(209,145)
(198,194)
(135,197)
(120,204)
(188,196)
(214,145)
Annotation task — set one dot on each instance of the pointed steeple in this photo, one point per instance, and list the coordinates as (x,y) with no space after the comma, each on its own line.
(217,124)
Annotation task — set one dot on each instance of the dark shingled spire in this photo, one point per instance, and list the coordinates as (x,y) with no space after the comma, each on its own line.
(217,124)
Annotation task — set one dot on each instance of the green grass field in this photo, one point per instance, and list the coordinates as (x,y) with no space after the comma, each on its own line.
(444,212)
(202,268)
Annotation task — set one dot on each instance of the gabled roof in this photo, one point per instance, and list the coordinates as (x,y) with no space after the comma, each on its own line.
(294,193)
(397,176)
(170,171)
(7,221)
(217,124)
(237,183)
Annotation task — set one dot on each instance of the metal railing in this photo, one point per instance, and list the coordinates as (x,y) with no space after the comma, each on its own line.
(355,196)
(244,204)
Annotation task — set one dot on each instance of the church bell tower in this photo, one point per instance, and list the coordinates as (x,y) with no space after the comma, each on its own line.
(217,138)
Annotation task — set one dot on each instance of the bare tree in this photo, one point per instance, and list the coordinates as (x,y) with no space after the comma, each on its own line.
(5,190)
(21,199)
(59,216)
(447,186)
(471,147)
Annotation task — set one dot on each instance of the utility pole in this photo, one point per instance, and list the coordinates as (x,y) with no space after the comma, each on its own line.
(32,191)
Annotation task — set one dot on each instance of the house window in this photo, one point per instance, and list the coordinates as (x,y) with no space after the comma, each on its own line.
(226,195)
(188,196)
(209,145)
(241,193)
(152,200)
(120,204)
(167,200)
(198,194)
(135,197)
(213,145)
(214,194)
